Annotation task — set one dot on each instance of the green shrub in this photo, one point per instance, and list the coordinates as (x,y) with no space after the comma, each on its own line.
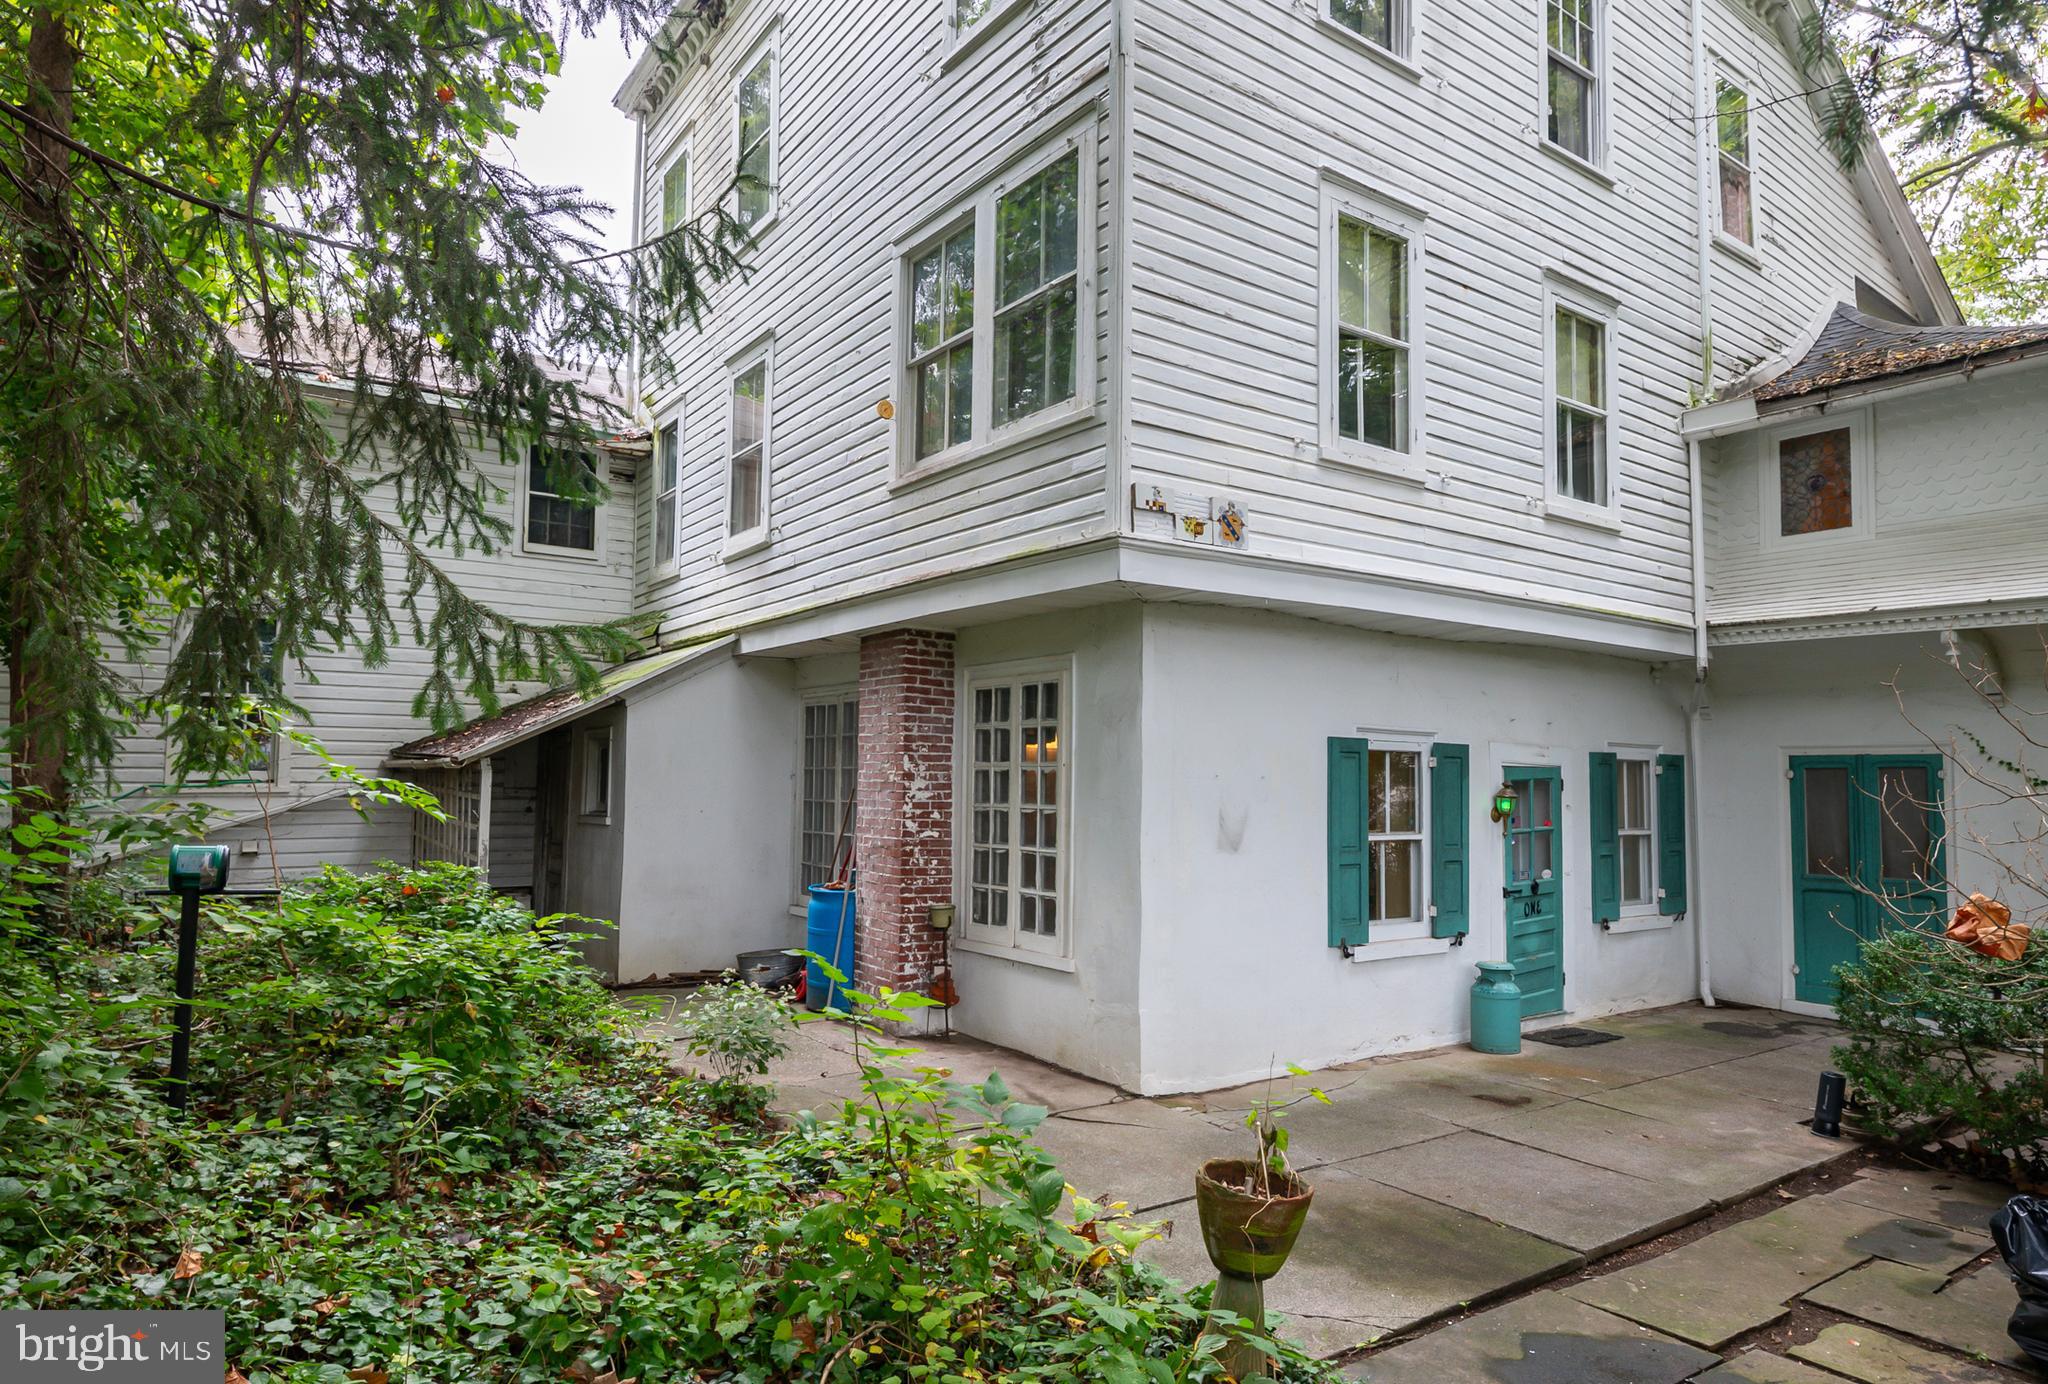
(1939,1034)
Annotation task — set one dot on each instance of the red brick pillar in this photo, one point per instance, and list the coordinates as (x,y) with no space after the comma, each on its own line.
(903,842)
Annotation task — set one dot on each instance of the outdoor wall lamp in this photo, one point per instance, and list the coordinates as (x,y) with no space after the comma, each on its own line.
(1504,800)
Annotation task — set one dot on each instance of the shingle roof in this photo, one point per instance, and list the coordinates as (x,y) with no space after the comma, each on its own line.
(1855,348)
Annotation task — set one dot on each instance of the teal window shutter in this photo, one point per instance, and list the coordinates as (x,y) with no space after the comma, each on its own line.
(1349,868)
(1450,818)
(1603,815)
(1670,834)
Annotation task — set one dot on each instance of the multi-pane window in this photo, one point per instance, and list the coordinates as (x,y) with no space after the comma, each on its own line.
(1038,238)
(1382,23)
(266,687)
(1635,827)
(992,322)
(756,119)
(1815,483)
(1731,136)
(675,193)
(1579,361)
(1372,335)
(1394,818)
(668,444)
(553,520)
(1015,826)
(747,468)
(831,769)
(942,343)
(1571,36)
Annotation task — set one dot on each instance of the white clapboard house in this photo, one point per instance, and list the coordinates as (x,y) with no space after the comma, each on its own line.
(1178,471)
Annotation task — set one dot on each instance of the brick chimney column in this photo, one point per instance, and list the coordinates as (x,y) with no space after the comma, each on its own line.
(903,842)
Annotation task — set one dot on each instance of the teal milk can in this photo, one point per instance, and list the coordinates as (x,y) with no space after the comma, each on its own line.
(1496,1009)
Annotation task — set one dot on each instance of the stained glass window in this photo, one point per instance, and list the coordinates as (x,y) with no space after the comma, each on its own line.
(1813,483)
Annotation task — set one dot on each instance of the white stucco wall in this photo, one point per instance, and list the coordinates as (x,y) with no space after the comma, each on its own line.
(1770,702)
(1237,973)
(709,803)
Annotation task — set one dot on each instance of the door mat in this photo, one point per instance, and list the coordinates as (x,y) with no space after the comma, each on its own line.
(1572,1037)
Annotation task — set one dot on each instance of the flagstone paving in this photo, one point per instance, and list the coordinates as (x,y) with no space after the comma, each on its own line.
(1966,1314)
(1870,1356)
(1542,1339)
(1762,1367)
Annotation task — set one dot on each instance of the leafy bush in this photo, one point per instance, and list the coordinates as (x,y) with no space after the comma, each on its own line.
(735,1028)
(426,1143)
(1938,1033)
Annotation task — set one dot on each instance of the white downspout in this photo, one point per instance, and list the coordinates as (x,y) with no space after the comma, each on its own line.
(1704,214)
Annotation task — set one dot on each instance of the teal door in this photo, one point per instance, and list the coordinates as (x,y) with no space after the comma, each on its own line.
(1866,855)
(1535,897)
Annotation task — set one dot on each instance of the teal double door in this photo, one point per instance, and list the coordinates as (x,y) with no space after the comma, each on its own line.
(1867,854)
(1534,889)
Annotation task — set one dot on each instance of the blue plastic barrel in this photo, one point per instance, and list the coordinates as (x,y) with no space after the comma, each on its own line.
(828,931)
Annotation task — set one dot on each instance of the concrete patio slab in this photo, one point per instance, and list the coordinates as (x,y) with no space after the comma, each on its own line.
(1542,1339)
(1374,1260)
(1137,1152)
(1682,1148)
(1869,1356)
(1590,1209)
(1967,1314)
(1922,1244)
(1738,1279)
(1762,1367)
(1961,1203)
(1786,1075)
(1699,1105)
(1363,1116)
(1376,1107)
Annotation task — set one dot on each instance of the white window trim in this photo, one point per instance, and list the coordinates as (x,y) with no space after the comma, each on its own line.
(1750,251)
(1647,754)
(1598,307)
(739,544)
(1343,199)
(524,491)
(1597,163)
(1862,489)
(967,681)
(1403,58)
(769,43)
(960,42)
(678,151)
(819,696)
(1416,929)
(279,774)
(985,440)
(661,572)
(585,813)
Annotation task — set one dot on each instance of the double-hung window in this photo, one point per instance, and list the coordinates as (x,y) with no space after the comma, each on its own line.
(1635,822)
(265,688)
(1017,755)
(1573,95)
(994,339)
(1384,25)
(675,191)
(754,121)
(746,523)
(1370,323)
(1399,840)
(831,772)
(970,19)
(1394,828)
(553,518)
(1731,138)
(668,443)
(1579,365)
(1635,826)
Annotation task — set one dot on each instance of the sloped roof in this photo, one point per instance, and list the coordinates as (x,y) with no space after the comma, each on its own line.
(522,721)
(1856,348)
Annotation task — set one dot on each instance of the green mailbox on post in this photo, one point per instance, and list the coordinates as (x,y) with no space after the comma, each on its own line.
(199,869)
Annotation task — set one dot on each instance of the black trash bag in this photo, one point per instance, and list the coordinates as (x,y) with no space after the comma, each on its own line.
(2020,1228)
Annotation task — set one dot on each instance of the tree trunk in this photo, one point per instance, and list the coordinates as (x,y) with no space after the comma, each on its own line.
(42,547)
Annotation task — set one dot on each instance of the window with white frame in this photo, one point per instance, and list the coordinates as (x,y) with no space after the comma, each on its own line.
(831,771)
(1580,473)
(754,133)
(1385,24)
(1635,823)
(1396,814)
(1572,94)
(597,775)
(1731,138)
(747,456)
(993,322)
(675,191)
(555,517)
(1016,827)
(668,444)
(1372,334)
(970,17)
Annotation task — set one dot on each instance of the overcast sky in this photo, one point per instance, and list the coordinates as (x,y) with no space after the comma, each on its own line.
(577,139)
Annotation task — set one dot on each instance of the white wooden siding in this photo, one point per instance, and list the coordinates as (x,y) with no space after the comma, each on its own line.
(874,132)
(1960,513)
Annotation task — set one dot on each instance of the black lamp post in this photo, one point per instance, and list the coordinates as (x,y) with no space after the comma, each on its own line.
(195,870)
